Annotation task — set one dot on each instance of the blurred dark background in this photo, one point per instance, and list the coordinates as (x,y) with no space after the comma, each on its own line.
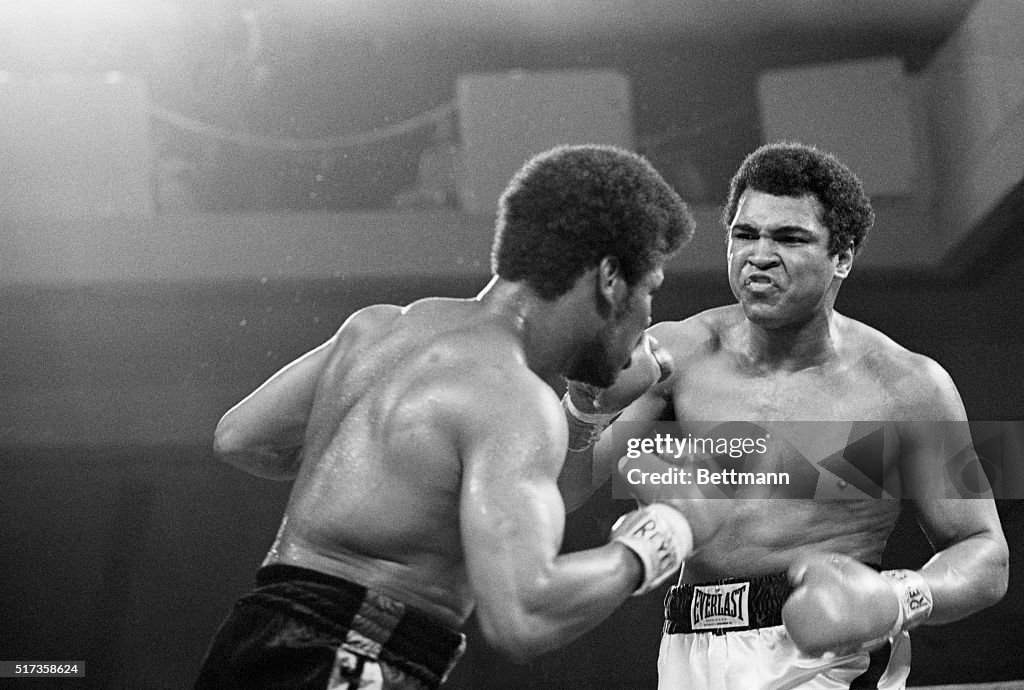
(195,193)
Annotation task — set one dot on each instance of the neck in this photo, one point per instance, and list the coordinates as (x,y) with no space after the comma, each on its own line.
(546,329)
(793,346)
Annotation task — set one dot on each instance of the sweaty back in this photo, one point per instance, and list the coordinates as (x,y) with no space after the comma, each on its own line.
(378,491)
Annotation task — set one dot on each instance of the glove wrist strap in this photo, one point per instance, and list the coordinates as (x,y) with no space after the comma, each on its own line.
(585,427)
(652,540)
(915,599)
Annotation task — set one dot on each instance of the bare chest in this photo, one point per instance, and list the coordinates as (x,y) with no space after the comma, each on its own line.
(827,431)
(720,390)
(741,538)
(829,435)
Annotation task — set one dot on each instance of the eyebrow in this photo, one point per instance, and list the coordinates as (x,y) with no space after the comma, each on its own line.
(782,229)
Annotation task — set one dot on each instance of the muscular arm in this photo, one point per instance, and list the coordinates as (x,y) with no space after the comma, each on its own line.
(585,471)
(530,599)
(969,571)
(263,433)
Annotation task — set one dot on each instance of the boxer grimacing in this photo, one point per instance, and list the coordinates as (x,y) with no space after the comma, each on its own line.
(425,443)
(779,586)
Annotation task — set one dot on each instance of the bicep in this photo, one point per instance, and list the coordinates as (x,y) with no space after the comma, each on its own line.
(278,409)
(939,468)
(509,518)
(512,516)
(945,479)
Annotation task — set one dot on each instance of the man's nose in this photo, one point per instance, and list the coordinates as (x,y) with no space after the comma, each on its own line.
(762,254)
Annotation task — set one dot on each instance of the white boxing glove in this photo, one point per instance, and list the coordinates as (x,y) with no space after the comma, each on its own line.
(660,537)
(842,606)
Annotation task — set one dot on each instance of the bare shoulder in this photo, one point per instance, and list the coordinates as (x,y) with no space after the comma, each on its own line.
(702,332)
(376,319)
(918,385)
(370,317)
(513,391)
(506,411)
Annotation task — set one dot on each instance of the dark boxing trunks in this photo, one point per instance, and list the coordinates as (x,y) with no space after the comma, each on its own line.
(296,624)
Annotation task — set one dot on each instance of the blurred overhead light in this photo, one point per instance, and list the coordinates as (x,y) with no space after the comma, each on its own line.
(75,15)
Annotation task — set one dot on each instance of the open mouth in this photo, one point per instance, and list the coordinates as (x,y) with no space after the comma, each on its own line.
(759,281)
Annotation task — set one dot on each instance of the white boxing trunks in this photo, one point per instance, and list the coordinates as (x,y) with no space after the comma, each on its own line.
(728,635)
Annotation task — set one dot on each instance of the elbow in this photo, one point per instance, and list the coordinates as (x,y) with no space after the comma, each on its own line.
(230,447)
(990,594)
(997,594)
(513,636)
(1000,580)
(226,442)
(992,584)
(233,441)
(234,448)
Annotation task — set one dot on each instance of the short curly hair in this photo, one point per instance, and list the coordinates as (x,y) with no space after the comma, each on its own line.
(794,169)
(571,206)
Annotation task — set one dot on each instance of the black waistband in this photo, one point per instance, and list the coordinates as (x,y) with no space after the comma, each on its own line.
(386,629)
(726,605)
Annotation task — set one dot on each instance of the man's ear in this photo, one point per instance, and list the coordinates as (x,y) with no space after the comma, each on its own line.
(844,262)
(612,288)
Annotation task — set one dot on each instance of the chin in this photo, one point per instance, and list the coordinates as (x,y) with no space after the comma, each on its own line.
(593,377)
(593,366)
(763,315)
(594,373)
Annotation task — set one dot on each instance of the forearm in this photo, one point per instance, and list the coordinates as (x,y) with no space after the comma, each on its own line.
(277,460)
(580,477)
(577,592)
(576,481)
(966,577)
(263,434)
(265,463)
(537,608)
